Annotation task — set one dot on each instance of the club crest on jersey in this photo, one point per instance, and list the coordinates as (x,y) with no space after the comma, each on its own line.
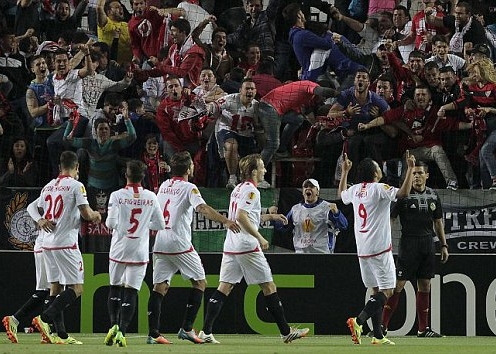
(195,191)
(21,227)
(432,206)
(251,196)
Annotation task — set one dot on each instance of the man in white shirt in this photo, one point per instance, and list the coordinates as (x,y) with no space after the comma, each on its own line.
(173,250)
(132,212)
(243,252)
(371,202)
(62,202)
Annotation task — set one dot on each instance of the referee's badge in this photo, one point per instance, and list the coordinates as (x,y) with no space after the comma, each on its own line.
(432,206)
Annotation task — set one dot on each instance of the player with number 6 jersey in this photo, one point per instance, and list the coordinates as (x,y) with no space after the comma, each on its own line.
(173,250)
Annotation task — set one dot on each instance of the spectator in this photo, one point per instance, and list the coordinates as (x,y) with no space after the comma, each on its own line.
(256,29)
(479,52)
(63,20)
(264,78)
(360,105)
(20,170)
(373,31)
(157,170)
(478,104)
(407,76)
(216,56)
(232,82)
(237,124)
(402,26)
(467,30)
(283,105)
(68,99)
(443,58)
(424,140)
(176,131)
(422,29)
(40,92)
(145,27)
(10,126)
(313,51)
(185,58)
(431,78)
(110,19)
(103,172)
(251,58)
(208,90)
(13,65)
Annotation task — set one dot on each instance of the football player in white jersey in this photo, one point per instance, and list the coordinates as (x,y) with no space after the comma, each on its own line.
(132,212)
(243,253)
(173,250)
(62,202)
(371,205)
(38,298)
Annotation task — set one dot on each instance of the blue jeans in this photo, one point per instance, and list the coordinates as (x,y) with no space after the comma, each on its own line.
(271,122)
(487,160)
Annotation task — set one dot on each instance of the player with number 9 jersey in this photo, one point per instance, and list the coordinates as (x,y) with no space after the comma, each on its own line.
(371,202)
(60,200)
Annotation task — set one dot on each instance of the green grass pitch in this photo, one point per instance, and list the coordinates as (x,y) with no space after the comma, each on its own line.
(258,344)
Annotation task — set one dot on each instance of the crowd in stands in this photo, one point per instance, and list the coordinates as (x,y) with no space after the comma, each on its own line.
(222,79)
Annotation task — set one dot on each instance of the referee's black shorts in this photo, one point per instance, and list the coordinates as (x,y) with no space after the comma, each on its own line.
(416,258)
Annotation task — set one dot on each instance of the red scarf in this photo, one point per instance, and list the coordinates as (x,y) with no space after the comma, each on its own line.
(154,173)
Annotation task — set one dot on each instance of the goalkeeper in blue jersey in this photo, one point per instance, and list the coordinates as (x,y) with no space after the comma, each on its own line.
(314,221)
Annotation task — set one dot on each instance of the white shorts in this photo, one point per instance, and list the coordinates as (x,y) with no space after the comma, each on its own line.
(166,265)
(252,266)
(378,271)
(42,282)
(64,266)
(125,274)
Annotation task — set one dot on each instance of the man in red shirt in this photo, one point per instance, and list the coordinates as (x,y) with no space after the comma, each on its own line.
(423,132)
(173,115)
(283,105)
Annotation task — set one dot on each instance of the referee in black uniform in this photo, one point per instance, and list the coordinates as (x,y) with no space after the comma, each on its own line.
(420,215)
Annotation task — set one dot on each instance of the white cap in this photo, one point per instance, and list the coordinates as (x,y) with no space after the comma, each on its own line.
(313,182)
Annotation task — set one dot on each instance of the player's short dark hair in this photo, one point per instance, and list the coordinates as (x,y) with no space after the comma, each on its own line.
(135,171)
(180,163)
(366,170)
(247,164)
(68,160)
(182,25)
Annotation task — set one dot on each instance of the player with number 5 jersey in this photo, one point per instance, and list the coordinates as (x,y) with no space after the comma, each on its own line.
(173,250)
(132,212)
(371,206)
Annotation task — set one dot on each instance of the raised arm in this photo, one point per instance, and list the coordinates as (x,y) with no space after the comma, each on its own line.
(212,214)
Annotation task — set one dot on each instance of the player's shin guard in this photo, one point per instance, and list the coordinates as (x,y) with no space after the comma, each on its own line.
(375,303)
(154,310)
(114,304)
(274,306)
(128,307)
(214,306)
(194,302)
(64,299)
